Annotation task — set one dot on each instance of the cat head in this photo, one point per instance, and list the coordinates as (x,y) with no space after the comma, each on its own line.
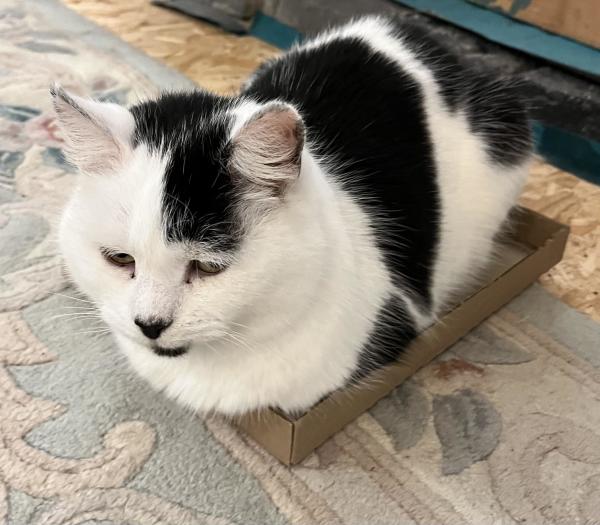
(182,217)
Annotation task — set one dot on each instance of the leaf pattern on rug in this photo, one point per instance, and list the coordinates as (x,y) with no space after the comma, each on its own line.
(55,157)
(468,427)
(18,113)
(404,414)
(9,161)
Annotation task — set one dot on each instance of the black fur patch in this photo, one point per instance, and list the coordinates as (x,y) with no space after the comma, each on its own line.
(494,109)
(366,115)
(497,115)
(446,68)
(198,197)
(391,335)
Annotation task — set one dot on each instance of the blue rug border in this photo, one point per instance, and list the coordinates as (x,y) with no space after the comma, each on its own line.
(565,150)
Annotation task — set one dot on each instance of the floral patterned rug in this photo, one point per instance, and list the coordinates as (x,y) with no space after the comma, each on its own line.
(504,428)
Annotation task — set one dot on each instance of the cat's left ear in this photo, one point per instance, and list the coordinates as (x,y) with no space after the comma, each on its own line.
(97,135)
(267,150)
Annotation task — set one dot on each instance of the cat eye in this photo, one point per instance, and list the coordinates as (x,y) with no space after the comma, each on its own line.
(207,267)
(119,258)
(202,268)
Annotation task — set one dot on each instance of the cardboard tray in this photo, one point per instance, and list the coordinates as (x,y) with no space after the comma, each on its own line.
(534,244)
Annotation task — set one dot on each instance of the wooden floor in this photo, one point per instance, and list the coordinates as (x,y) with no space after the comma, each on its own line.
(220,61)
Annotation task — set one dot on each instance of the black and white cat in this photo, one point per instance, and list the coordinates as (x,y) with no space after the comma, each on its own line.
(268,248)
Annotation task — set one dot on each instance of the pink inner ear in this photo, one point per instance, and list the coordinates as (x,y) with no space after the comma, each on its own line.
(96,134)
(267,149)
(278,129)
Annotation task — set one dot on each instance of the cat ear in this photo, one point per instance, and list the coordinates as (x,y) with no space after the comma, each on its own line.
(97,134)
(267,150)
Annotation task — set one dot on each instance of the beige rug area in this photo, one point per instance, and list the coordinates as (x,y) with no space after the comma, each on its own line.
(504,428)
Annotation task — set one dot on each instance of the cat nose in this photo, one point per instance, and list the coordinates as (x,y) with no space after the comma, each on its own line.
(152,328)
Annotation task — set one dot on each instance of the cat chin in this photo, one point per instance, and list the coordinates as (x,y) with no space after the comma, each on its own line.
(203,383)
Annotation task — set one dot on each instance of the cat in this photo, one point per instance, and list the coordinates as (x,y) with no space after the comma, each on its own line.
(265,249)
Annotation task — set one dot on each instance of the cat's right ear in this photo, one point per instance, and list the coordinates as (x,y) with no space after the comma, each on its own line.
(97,135)
(267,150)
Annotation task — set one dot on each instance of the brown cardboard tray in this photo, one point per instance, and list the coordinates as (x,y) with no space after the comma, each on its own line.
(534,244)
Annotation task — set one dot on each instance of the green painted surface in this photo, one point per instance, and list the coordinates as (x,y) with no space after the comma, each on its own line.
(509,32)
(568,151)
(274,32)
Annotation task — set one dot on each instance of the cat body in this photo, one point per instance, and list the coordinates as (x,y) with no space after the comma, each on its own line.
(268,248)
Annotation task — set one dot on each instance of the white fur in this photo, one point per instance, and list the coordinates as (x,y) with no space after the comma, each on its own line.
(476,194)
(285,323)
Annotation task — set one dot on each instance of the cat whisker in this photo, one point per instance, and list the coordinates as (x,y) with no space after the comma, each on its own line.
(240,342)
(238,324)
(72,298)
(77,315)
(81,307)
(212,348)
(88,332)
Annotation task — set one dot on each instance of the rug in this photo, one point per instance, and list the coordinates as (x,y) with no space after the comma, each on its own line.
(503,428)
